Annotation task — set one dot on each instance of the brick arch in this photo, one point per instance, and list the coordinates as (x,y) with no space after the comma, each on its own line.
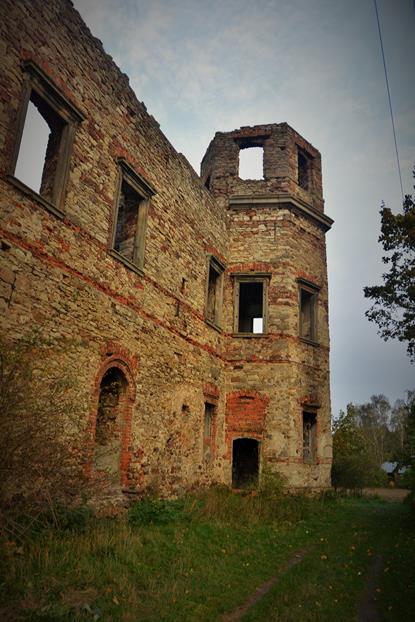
(245,416)
(120,362)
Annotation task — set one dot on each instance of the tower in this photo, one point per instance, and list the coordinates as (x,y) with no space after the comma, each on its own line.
(275,306)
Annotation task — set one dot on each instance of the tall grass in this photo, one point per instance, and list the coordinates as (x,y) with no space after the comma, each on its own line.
(249,508)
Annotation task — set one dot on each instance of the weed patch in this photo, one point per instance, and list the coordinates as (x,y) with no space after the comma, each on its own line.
(157,512)
(199,558)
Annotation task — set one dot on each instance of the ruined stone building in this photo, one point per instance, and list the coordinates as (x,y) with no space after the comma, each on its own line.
(203,300)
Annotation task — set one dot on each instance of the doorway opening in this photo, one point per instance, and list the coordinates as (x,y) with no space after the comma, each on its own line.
(245,463)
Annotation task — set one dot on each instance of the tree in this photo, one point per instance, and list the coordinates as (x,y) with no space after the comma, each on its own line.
(350,463)
(372,419)
(393,309)
(406,455)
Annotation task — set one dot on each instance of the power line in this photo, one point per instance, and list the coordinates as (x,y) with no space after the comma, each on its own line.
(389,98)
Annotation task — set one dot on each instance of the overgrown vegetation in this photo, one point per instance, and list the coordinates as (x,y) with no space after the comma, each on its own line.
(41,454)
(367,435)
(393,307)
(197,558)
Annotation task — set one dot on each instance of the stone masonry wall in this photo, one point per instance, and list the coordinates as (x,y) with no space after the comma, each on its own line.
(58,274)
(271,234)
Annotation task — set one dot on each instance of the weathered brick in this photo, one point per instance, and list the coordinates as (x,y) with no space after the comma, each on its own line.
(151,323)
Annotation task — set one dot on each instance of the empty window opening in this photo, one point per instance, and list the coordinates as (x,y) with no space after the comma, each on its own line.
(209,413)
(208,425)
(214,293)
(251,163)
(303,173)
(126,239)
(251,313)
(308,301)
(245,463)
(130,218)
(309,437)
(112,395)
(40,147)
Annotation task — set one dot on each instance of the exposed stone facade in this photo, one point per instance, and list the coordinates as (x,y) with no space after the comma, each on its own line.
(133,289)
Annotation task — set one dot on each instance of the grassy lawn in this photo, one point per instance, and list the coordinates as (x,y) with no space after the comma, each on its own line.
(208,554)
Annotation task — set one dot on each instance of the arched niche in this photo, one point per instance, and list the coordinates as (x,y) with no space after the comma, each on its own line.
(110,421)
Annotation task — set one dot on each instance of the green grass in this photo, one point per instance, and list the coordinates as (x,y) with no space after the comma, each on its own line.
(197,559)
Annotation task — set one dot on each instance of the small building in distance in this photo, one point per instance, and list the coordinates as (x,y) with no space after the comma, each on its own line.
(194,309)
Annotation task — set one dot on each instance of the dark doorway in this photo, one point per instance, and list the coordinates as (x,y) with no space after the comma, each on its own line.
(245,463)
(109,424)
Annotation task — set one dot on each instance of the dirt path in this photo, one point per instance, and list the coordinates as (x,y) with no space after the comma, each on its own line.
(388,494)
(368,611)
(237,614)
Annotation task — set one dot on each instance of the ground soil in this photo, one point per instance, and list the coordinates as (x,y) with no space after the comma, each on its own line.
(238,613)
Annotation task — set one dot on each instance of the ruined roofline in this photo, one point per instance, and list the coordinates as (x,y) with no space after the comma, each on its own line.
(121,83)
(263,131)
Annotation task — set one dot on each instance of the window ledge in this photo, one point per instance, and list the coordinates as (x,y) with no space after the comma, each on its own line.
(213,324)
(129,264)
(250,335)
(35,196)
(310,342)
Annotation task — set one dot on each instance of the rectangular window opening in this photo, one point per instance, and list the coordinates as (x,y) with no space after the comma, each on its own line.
(40,147)
(251,312)
(309,437)
(46,127)
(214,292)
(251,163)
(125,241)
(131,217)
(308,306)
(208,431)
(209,414)
(303,169)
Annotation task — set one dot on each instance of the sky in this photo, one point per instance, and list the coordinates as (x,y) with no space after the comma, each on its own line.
(202,67)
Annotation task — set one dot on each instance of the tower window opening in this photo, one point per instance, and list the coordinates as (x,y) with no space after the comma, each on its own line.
(251,308)
(308,312)
(309,437)
(303,169)
(251,163)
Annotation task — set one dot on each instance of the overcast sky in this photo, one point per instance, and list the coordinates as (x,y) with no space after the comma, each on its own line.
(202,67)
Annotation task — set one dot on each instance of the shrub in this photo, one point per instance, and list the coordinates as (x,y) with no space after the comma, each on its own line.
(40,442)
(407,479)
(271,484)
(377,478)
(349,472)
(156,511)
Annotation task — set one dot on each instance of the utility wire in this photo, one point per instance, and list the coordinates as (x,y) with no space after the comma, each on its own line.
(389,98)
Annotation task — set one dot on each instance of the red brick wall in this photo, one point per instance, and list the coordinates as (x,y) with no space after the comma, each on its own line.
(245,416)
